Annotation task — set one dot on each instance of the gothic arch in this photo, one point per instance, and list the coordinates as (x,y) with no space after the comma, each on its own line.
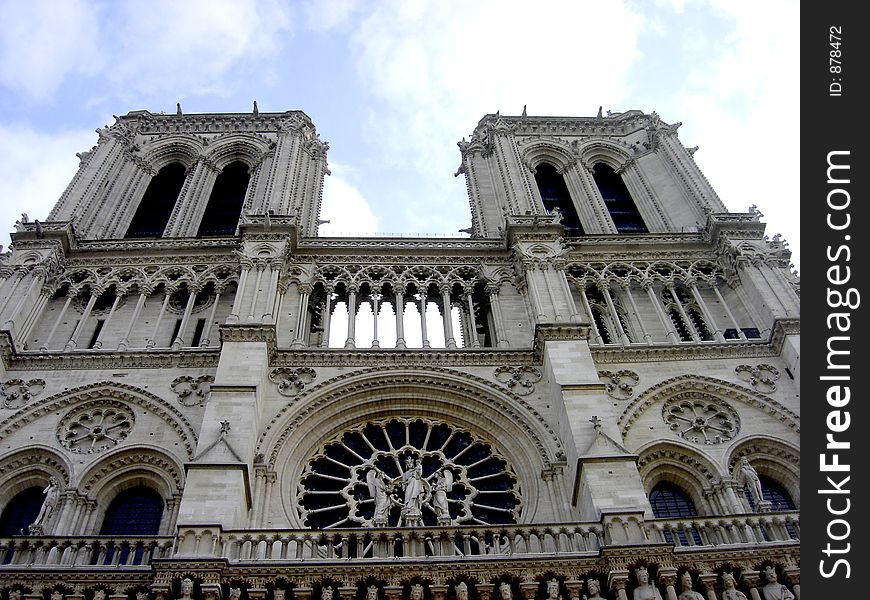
(551,151)
(185,149)
(602,151)
(707,386)
(105,391)
(124,468)
(247,148)
(772,458)
(469,402)
(31,466)
(679,464)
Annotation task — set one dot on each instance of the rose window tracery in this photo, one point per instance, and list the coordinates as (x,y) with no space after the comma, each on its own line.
(95,427)
(701,420)
(407,472)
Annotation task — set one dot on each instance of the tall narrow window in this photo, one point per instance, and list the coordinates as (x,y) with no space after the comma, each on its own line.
(225,203)
(669,501)
(135,511)
(618,200)
(156,206)
(555,194)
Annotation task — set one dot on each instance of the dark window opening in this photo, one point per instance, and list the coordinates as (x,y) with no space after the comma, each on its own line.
(779,498)
(197,332)
(618,200)
(156,206)
(225,203)
(135,511)
(96,334)
(680,325)
(751,333)
(668,501)
(21,511)
(554,194)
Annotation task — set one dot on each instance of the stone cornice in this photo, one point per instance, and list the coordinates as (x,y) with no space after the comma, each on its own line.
(463,357)
(149,123)
(108,359)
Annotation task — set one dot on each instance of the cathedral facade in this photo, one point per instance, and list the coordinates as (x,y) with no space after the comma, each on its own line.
(594,393)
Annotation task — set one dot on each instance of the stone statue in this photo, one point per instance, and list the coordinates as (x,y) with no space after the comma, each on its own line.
(186,588)
(417,589)
(774,590)
(412,479)
(645,590)
(99,594)
(278,594)
(379,486)
(748,476)
(235,593)
(461,591)
(55,595)
(372,592)
(15,595)
(731,592)
(553,590)
(594,588)
(49,504)
(443,484)
(504,589)
(141,595)
(326,593)
(688,593)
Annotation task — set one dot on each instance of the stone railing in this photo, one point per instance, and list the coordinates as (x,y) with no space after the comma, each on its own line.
(754,529)
(391,543)
(40,551)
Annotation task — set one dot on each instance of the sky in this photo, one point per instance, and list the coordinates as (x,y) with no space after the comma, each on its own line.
(392,86)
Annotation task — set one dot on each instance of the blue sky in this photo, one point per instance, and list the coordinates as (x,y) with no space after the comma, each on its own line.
(392,86)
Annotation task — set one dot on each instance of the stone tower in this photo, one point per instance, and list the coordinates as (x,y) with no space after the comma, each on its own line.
(202,398)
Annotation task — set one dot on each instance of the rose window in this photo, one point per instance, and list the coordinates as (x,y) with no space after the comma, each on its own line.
(701,420)
(95,427)
(407,472)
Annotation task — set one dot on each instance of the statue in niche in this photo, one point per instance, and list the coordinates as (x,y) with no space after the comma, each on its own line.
(553,590)
(731,592)
(326,593)
(372,592)
(186,588)
(505,591)
(461,591)
(55,595)
(747,476)
(278,594)
(379,489)
(594,588)
(774,590)
(235,593)
(645,590)
(688,593)
(49,504)
(443,484)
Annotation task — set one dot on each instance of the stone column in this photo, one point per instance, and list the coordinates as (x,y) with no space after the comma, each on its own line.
(731,318)
(671,333)
(209,324)
(326,315)
(125,340)
(74,339)
(261,266)
(449,340)
(627,289)
(423,332)
(475,343)
(119,293)
(500,333)
(152,341)
(708,316)
(400,318)
(192,291)
(350,342)
(668,578)
(691,326)
(605,291)
(709,581)
(375,310)
(304,296)
(240,292)
(584,299)
(618,583)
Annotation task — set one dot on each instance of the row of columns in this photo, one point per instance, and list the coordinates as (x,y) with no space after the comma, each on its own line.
(672,336)
(78,515)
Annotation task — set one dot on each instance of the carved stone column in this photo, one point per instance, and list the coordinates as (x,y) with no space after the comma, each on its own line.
(205,342)
(691,326)
(375,311)
(475,343)
(326,315)
(125,340)
(400,318)
(670,332)
(617,584)
(74,339)
(626,287)
(192,291)
(668,578)
(119,293)
(423,331)
(151,342)
(350,342)
(70,294)
(446,306)
(709,581)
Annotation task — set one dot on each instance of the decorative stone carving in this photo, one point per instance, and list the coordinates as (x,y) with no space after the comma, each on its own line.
(49,506)
(291,382)
(746,476)
(645,590)
(17,392)
(593,586)
(731,592)
(773,590)
(191,390)
(700,419)
(447,476)
(619,384)
(519,380)
(687,592)
(762,378)
(95,427)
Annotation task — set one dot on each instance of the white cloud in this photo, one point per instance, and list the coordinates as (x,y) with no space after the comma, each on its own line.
(345,208)
(321,15)
(43,42)
(35,170)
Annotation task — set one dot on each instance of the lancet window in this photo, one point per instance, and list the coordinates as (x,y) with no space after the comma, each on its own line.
(555,195)
(225,203)
(618,200)
(157,204)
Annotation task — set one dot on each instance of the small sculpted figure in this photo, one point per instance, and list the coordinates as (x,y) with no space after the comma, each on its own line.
(553,590)
(461,591)
(688,593)
(774,590)
(417,590)
(505,590)
(186,588)
(731,592)
(747,476)
(49,504)
(645,590)
(594,587)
